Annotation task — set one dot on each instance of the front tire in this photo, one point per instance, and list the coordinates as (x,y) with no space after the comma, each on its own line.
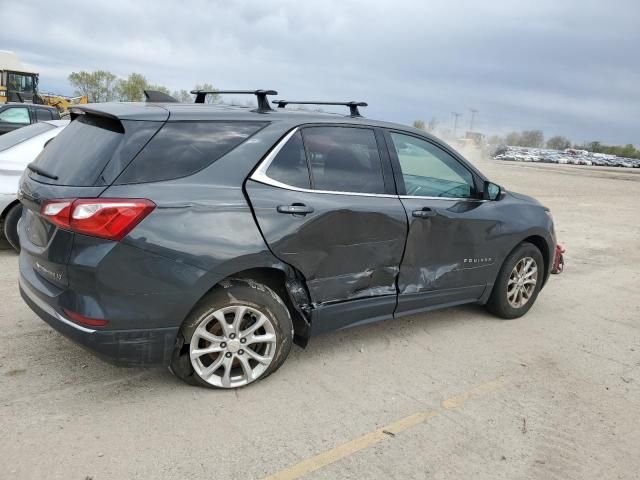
(238,333)
(11,226)
(518,283)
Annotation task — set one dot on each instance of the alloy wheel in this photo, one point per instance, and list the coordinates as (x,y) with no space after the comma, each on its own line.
(522,282)
(232,346)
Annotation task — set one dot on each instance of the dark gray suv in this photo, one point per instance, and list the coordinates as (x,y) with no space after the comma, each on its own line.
(210,238)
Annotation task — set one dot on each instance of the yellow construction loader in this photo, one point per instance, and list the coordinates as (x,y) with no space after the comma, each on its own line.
(20,84)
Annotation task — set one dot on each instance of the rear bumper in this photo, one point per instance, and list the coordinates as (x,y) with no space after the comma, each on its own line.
(131,348)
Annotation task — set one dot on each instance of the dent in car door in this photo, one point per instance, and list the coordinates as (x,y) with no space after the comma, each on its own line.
(449,252)
(347,245)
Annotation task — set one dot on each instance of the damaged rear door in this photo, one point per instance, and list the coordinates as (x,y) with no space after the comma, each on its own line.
(325,202)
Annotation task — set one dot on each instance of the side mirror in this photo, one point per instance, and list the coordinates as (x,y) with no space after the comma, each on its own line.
(492,191)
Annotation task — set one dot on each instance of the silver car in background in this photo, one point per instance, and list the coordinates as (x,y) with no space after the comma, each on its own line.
(17,149)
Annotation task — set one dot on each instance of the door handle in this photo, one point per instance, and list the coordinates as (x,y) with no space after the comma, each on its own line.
(425,212)
(295,209)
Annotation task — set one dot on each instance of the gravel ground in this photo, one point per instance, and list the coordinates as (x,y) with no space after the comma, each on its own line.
(555,394)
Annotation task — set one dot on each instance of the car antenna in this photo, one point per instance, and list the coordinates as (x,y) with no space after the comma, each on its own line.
(353,105)
(261,95)
(157,96)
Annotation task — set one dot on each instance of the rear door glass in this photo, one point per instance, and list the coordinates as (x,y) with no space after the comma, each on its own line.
(344,159)
(183,148)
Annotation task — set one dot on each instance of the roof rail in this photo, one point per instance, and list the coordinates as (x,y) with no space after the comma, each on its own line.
(353,106)
(158,97)
(261,95)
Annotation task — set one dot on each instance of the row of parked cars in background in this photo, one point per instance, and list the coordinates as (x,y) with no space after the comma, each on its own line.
(18,148)
(569,156)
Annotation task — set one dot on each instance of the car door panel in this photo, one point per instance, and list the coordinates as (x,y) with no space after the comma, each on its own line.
(449,255)
(349,247)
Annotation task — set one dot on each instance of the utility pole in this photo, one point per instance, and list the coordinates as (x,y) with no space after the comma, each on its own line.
(473,117)
(455,122)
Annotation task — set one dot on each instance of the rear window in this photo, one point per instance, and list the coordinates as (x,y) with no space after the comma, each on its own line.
(43,115)
(81,151)
(183,148)
(20,135)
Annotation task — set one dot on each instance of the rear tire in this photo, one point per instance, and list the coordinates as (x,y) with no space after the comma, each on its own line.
(11,226)
(251,344)
(518,283)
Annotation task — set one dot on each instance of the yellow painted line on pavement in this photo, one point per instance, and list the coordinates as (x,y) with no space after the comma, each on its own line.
(367,440)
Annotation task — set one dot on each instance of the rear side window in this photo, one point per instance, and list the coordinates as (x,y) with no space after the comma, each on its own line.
(290,164)
(344,159)
(81,151)
(20,135)
(183,148)
(43,114)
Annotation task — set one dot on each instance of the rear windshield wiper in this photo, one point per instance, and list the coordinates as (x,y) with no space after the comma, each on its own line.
(39,171)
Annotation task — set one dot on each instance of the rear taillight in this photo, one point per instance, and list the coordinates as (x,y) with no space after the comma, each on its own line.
(110,218)
(82,320)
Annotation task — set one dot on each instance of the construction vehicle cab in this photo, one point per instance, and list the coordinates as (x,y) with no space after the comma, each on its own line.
(20,84)
(17,82)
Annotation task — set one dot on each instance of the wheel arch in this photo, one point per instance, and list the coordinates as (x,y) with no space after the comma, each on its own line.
(4,212)
(284,280)
(545,250)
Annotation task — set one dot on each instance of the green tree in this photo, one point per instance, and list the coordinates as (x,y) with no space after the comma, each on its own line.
(512,139)
(98,86)
(158,88)
(419,124)
(211,98)
(558,143)
(532,139)
(132,88)
(182,96)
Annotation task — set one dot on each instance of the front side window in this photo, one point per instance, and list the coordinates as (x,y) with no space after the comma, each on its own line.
(18,82)
(290,164)
(344,159)
(429,171)
(15,115)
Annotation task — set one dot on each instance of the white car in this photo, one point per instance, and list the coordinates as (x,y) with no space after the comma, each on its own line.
(18,148)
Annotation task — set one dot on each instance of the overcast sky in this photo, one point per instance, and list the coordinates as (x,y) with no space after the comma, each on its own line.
(568,67)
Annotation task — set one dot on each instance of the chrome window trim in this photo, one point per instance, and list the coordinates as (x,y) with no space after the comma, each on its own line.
(459,199)
(49,309)
(260,175)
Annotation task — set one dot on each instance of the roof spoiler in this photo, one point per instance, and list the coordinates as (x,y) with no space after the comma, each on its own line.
(157,96)
(261,95)
(353,105)
(76,111)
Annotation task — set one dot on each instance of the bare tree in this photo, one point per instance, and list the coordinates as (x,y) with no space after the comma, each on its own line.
(558,143)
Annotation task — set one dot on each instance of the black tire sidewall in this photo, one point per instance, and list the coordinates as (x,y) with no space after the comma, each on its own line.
(238,291)
(498,303)
(10,228)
